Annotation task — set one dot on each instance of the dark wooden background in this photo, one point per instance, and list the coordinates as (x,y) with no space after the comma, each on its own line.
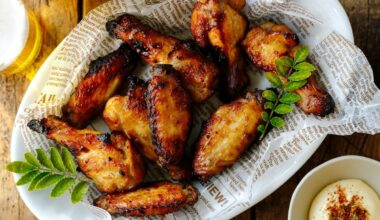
(58,17)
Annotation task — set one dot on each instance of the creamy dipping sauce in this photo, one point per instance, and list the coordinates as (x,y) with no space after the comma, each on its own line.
(349,199)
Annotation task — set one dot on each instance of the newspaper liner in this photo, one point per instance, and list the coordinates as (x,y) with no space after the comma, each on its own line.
(347,75)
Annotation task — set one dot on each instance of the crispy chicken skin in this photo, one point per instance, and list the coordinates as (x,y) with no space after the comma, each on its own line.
(227,134)
(268,42)
(314,99)
(197,73)
(129,114)
(109,160)
(220,24)
(103,79)
(169,114)
(157,198)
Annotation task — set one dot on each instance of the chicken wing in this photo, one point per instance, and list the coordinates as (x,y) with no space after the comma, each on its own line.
(268,42)
(220,24)
(129,114)
(227,134)
(169,114)
(109,160)
(158,198)
(103,79)
(197,73)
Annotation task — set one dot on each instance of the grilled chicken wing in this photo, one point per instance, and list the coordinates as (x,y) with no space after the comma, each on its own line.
(268,42)
(102,80)
(196,72)
(129,114)
(169,114)
(220,24)
(109,160)
(159,198)
(229,131)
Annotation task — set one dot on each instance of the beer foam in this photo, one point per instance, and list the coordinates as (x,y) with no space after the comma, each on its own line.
(14,30)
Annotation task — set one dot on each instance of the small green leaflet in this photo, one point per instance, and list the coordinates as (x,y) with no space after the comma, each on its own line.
(79,192)
(268,105)
(285,61)
(57,159)
(277,122)
(261,128)
(299,76)
(30,158)
(265,116)
(305,66)
(269,95)
(301,54)
(290,98)
(273,79)
(68,161)
(283,109)
(44,159)
(291,74)
(291,86)
(48,181)
(36,179)
(61,187)
(59,171)
(283,64)
(28,177)
(19,167)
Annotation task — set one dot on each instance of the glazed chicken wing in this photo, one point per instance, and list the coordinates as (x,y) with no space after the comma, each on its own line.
(227,134)
(109,160)
(169,114)
(129,114)
(158,198)
(103,79)
(219,23)
(197,73)
(268,42)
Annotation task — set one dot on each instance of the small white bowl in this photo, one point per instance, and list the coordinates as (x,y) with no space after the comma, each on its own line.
(345,167)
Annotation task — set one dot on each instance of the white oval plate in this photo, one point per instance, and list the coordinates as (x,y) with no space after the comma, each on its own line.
(329,12)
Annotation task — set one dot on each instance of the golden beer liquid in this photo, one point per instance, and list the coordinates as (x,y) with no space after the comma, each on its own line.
(31,49)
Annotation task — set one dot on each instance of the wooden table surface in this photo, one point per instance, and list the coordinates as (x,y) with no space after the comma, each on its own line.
(58,17)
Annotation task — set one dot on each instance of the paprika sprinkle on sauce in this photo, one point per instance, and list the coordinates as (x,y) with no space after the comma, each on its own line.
(345,209)
(349,199)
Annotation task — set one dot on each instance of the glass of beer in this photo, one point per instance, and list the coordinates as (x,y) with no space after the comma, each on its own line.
(20,37)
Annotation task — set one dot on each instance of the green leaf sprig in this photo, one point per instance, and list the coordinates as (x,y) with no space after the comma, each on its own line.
(59,170)
(291,74)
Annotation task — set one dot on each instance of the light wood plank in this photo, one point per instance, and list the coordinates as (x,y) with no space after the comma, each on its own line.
(57,18)
(11,205)
(88,5)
